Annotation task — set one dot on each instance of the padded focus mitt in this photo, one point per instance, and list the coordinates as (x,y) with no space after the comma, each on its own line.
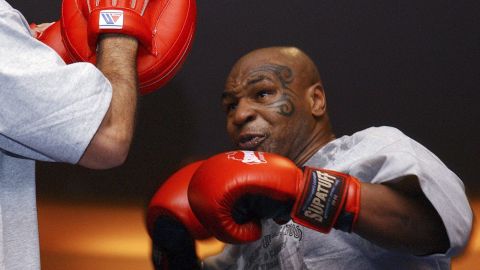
(164,28)
(50,34)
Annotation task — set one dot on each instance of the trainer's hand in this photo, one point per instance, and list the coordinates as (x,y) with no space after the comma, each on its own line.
(37,29)
(231,192)
(172,224)
(120,17)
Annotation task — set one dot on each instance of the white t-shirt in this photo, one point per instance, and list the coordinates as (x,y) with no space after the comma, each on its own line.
(374,155)
(49,111)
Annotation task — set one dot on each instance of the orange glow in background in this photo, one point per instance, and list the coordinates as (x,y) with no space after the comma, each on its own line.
(98,237)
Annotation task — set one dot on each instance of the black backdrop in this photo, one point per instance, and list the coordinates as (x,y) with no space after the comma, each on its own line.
(408,64)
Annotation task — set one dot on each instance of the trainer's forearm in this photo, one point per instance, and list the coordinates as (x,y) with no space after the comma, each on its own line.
(116,58)
(401,218)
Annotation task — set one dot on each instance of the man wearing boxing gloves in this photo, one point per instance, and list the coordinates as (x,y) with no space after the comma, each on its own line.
(50,111)
(297,197)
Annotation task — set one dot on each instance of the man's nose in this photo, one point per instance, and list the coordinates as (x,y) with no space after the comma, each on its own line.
(244,113)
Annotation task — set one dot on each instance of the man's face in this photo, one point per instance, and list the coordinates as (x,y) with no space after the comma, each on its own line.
(265,107)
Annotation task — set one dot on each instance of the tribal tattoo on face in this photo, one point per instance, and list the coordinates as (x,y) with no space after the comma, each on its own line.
(284,75)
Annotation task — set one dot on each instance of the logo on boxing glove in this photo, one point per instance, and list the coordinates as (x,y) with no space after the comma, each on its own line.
(320,204)
(110,19)
(247,157)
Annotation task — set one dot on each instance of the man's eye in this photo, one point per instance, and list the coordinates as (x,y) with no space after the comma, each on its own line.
(264,93)
(229,107)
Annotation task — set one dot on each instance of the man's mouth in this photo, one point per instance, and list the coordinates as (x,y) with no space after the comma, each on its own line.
(250,141)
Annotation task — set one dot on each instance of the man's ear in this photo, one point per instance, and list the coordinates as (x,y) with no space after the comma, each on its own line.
(316,97)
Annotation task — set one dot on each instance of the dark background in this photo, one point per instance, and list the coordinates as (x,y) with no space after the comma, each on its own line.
(408,64)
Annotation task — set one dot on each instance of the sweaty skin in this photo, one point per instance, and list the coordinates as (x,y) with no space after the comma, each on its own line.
(275,102)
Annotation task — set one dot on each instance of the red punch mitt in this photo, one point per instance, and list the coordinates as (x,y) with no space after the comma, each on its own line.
(164,28)
(230,193)
(52,36)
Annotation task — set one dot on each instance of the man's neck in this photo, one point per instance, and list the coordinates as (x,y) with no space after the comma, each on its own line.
(321,136)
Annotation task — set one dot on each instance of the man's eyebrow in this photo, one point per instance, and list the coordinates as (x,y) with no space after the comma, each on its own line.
(257,79)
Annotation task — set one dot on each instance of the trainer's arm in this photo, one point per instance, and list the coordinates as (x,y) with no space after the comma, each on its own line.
(116,58)
(399,216)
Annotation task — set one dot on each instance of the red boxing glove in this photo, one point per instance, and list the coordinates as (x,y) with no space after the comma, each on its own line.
(164,29)
(231,192)
(172,224)
(52,37)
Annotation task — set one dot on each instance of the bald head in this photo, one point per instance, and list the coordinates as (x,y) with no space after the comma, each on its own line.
(302,67)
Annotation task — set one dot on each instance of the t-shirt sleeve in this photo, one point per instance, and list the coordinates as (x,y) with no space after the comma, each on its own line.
(403,156)
(48,110)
